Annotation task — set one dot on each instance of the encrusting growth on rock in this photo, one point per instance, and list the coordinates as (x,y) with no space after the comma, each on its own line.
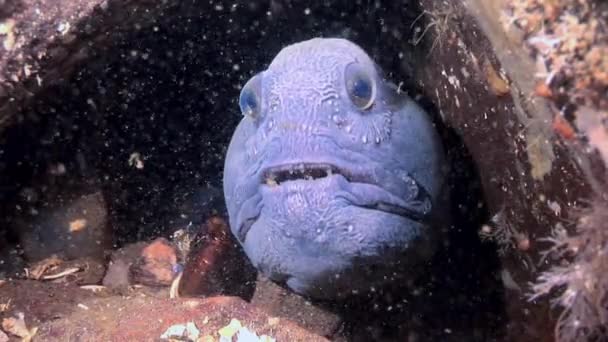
(569,40)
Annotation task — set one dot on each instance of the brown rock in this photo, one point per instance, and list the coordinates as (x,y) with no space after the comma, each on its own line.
(156,265)
(117,274)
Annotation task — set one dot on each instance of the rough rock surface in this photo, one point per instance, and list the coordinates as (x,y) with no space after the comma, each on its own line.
(71,313)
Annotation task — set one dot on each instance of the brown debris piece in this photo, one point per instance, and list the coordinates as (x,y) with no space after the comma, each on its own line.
(81,271)
(39,269)
(562,127)
(498,84)
(543,90)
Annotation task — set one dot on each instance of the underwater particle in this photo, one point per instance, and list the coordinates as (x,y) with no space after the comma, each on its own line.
(63,28)
(77,225)
(555,207)
(136,161)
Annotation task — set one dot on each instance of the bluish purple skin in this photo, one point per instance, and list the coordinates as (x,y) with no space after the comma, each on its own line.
(332,169)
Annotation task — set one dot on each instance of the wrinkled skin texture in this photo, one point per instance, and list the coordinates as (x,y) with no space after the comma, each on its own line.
(315,231)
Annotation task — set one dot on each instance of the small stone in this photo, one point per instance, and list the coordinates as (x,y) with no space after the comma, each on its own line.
(155,266)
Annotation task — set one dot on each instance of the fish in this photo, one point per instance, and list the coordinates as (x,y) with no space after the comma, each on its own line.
(334,178)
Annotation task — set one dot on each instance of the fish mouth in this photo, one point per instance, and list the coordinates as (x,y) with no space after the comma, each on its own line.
(278,175)
(362,187)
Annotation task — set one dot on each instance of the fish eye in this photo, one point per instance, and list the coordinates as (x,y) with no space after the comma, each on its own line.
(360,86)
(250,98)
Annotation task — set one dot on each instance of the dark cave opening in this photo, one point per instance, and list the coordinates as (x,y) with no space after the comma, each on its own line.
(146,120)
